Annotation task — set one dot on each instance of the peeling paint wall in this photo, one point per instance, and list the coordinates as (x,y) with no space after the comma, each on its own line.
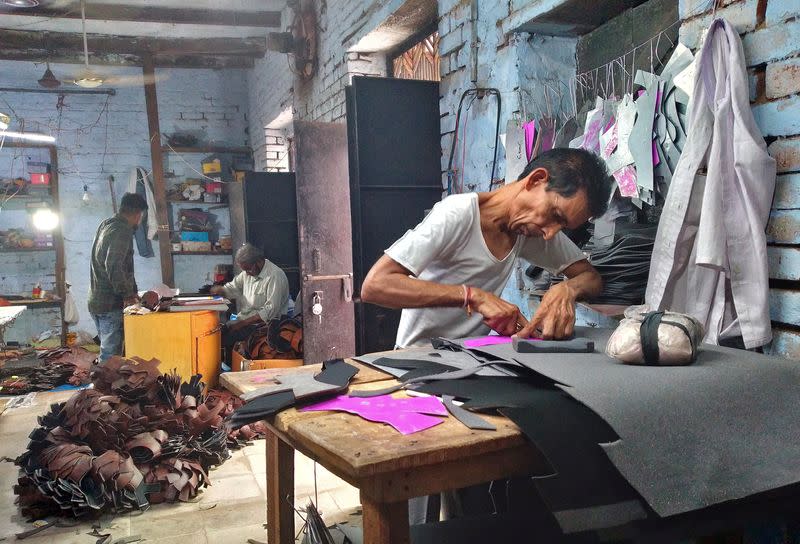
(100,137)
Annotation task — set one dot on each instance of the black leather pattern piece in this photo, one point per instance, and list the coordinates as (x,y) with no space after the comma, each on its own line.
(415,367)
(568,434)
(336,372)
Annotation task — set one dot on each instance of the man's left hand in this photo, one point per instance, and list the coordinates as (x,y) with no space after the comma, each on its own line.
(555,317)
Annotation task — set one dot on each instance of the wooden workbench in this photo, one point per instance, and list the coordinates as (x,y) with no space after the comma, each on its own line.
(387,467)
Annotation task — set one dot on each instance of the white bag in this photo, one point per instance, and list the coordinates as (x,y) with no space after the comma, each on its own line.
(670,339)
(71,315)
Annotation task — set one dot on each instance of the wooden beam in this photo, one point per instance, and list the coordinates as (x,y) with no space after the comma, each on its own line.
(152,14)
(159,185)
(117,59)
(106,44)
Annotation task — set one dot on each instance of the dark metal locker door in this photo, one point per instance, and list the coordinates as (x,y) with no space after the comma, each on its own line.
(326,259)
(395,176)
(270,216)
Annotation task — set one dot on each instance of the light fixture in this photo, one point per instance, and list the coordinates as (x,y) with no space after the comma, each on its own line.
(49,81)
(85,197)
(21,3)
(30,136)
(45,219)
(86,79)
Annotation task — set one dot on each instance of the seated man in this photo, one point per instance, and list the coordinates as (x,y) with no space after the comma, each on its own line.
(261,291)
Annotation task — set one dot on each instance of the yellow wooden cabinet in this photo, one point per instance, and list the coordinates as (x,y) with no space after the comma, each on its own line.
(189,342)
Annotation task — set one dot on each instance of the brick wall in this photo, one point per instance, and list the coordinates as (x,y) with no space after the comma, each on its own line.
(93,144)
(770,34)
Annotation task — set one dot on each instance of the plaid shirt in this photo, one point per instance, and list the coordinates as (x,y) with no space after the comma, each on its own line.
(111,266)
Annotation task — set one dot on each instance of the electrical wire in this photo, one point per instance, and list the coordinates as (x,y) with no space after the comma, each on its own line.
(480,93)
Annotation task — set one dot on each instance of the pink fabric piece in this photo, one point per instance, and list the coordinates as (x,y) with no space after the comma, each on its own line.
(591,138)
(492,340)
(612,142)
(486,341)
(626,179)
(530,138)
(421,405)
(392,411)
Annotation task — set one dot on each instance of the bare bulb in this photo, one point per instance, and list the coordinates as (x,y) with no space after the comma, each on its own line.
(85,197)
(45,219)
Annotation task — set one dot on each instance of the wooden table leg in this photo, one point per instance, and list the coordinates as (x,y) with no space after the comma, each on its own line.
(385,522)
(280,491)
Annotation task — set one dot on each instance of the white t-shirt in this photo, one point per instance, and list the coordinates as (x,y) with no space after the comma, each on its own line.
(448,247)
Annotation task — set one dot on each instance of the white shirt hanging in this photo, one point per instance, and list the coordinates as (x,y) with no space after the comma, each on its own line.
(709,258)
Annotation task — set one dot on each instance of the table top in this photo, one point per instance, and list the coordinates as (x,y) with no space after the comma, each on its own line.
(357,449)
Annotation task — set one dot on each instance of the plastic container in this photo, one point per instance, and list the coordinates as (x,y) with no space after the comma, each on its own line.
(40,179)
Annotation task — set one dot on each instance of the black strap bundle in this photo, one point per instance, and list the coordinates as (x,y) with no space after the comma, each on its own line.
(648,333)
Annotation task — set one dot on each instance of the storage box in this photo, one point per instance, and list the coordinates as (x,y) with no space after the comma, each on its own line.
(214,187)
(40,179)
(212,165)
(196,246)
(36,167)
(192,236)
(239,363)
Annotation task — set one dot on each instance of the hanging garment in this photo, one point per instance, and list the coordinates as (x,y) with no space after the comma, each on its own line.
(147,230)
(709,258)
(530,138)
(516,152)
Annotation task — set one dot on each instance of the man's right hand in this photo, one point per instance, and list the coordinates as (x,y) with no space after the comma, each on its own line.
(217,290)
(499,315)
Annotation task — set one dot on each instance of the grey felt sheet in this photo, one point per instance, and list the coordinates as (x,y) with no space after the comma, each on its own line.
(444,357)
(690,436)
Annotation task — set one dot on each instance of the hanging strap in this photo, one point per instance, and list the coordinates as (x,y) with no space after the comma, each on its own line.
(648,332)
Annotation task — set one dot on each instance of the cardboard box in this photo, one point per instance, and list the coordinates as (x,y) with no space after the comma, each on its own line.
(239,363)
(212,166)
(37,167)
(196,246)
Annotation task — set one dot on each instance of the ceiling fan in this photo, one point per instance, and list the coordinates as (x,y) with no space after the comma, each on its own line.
(89,79)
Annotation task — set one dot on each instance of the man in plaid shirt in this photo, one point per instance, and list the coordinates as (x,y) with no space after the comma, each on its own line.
(113,286)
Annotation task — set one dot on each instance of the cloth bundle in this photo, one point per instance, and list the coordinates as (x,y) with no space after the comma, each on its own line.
(624,266)
(655,338)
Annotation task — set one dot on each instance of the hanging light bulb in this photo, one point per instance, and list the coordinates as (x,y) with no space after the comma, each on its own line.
(45,219)
(85,197)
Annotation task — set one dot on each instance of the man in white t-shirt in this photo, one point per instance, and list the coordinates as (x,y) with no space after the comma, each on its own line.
(447,273)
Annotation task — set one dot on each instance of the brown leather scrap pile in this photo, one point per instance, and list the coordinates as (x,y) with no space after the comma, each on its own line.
(139,437)
(277,339)
(57,367)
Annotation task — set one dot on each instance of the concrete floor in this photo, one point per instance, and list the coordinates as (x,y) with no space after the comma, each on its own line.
(231,510)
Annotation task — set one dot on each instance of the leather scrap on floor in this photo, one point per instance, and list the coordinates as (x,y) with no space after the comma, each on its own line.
(50,369)
(139,437)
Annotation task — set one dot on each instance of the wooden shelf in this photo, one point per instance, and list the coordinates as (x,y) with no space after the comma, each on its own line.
(205,149)
(26,249)
(37,303)
(197,202)
(202,253)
